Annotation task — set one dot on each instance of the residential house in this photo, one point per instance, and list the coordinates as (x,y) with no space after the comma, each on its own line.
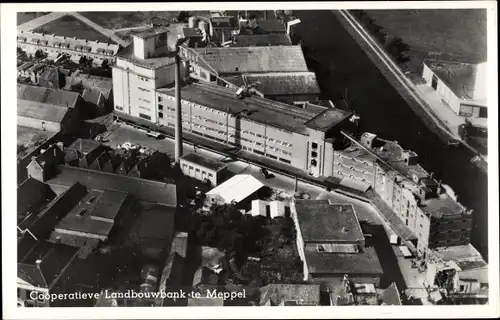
(44,166)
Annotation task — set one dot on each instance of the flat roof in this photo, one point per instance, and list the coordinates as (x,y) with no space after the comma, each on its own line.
(150,32)
(328,119)
(237,188)
(272,25)
(364,263)
(253,59)
(261,40)
(142,189)
(205,162)
(321,220)
(444,205)
(285,83)
(105,204)
(151,63)
(260,110)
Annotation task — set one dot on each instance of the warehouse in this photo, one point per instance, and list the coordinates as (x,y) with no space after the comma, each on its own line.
(202,168)
(45,116)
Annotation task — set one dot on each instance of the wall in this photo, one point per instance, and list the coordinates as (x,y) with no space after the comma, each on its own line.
(345,166)
(480,86)
(38,124)
(448,97)
(198,172)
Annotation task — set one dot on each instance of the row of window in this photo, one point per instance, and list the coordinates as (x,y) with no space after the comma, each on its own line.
(351,176)
(144,108)
(144,79)
(144,100)
(197,170)
(67,47)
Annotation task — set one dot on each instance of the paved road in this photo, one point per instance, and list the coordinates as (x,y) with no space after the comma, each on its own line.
(343,65)
(38,22)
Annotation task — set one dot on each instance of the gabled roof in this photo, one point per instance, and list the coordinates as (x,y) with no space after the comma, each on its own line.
(253,59)
(85,146)
(261,40)
(60,98)
(31,196)
(41,111)
(54,258)
(237,188)
(51,153)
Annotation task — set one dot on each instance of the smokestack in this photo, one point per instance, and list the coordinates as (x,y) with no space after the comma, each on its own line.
(178,110)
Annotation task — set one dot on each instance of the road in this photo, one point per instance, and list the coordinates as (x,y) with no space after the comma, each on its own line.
(107,32)
(38,22)
(343,66)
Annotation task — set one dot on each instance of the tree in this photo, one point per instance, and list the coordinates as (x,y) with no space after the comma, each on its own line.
(83,60)
(39,54)
(105,64)
(183,16)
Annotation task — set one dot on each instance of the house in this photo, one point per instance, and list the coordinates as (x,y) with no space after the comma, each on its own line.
(241,189)
(331,244)
(39,225)
(290,295)
(40,271)
(32,197)
(83,152)
(202,168)
(461,86)
(90,223)
(44,166)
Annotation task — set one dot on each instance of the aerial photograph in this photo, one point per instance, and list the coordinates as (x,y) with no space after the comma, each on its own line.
(252,158)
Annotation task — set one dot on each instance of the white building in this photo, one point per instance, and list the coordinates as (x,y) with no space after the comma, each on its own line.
(462,86)
(237,189)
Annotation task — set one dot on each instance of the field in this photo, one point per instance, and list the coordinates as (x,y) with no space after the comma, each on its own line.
(70,27)
(130,19)
(23,17)
(442,34)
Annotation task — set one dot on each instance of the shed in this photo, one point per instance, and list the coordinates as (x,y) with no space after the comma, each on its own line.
(238,188)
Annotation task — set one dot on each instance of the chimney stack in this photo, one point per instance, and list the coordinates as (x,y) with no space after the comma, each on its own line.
(178,107)
(38,262)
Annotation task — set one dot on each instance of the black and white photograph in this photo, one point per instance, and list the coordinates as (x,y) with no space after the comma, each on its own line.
(330,155)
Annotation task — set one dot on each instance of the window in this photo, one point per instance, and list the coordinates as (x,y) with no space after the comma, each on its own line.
(160,114)
(144,116)
(143,89)
(203,172)
(259,135)
(160,106)
(81,212)
(321,248)
(197,170)
(314,154)
(184,165)
(314,145)
(191,168)
(210,175)
(118,108)
(212,78)
(421,226)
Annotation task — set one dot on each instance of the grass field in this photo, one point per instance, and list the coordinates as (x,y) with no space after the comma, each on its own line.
(69,26)
(23,17)
(129,19)
(443,34)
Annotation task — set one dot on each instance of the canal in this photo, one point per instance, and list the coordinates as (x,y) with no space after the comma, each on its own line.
(343,69)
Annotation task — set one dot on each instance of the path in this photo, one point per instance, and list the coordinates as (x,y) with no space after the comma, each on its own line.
(40,21)
(109,33)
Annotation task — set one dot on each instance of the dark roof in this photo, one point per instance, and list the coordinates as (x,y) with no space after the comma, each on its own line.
(50,76)
(41,111)
(365,262)
(260,110)
(285,83)
(253,59)
(319,220)
(93,96)
(141,189)
(261,40)
(51,155)
(91,83)
(51,96)
(272,26)
(390,296)
(205,162)
(54,258)
(328,119)
(85,146)
(155,226)
(85,216)
(205,276)
(302,294)
(32,195)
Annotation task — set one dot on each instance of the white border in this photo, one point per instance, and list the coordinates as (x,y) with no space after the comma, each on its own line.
(8,129)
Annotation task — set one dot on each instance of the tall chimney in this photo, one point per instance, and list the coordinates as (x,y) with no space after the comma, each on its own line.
(178,107)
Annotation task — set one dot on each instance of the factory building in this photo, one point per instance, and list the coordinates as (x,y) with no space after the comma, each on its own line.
(426,207)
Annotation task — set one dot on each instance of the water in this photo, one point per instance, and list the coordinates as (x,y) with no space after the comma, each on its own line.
(384,112)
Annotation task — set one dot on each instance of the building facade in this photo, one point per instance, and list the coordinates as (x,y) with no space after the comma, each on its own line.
(202,168)
(54,46)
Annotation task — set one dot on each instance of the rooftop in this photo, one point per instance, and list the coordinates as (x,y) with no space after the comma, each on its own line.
(442,206)
(205,162)
(390,296)
(151,32)
(320,220)
(51,40)
(328,119)
(253,59)
(237,188)
(41,111)
(141,189)
(272,26)
(261,40)
(60,98)
(303,294)
(54,258)
(32,195)
(87,216)
(285,83)
(84,146)
(459,77)
(365,262)
(260,110)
